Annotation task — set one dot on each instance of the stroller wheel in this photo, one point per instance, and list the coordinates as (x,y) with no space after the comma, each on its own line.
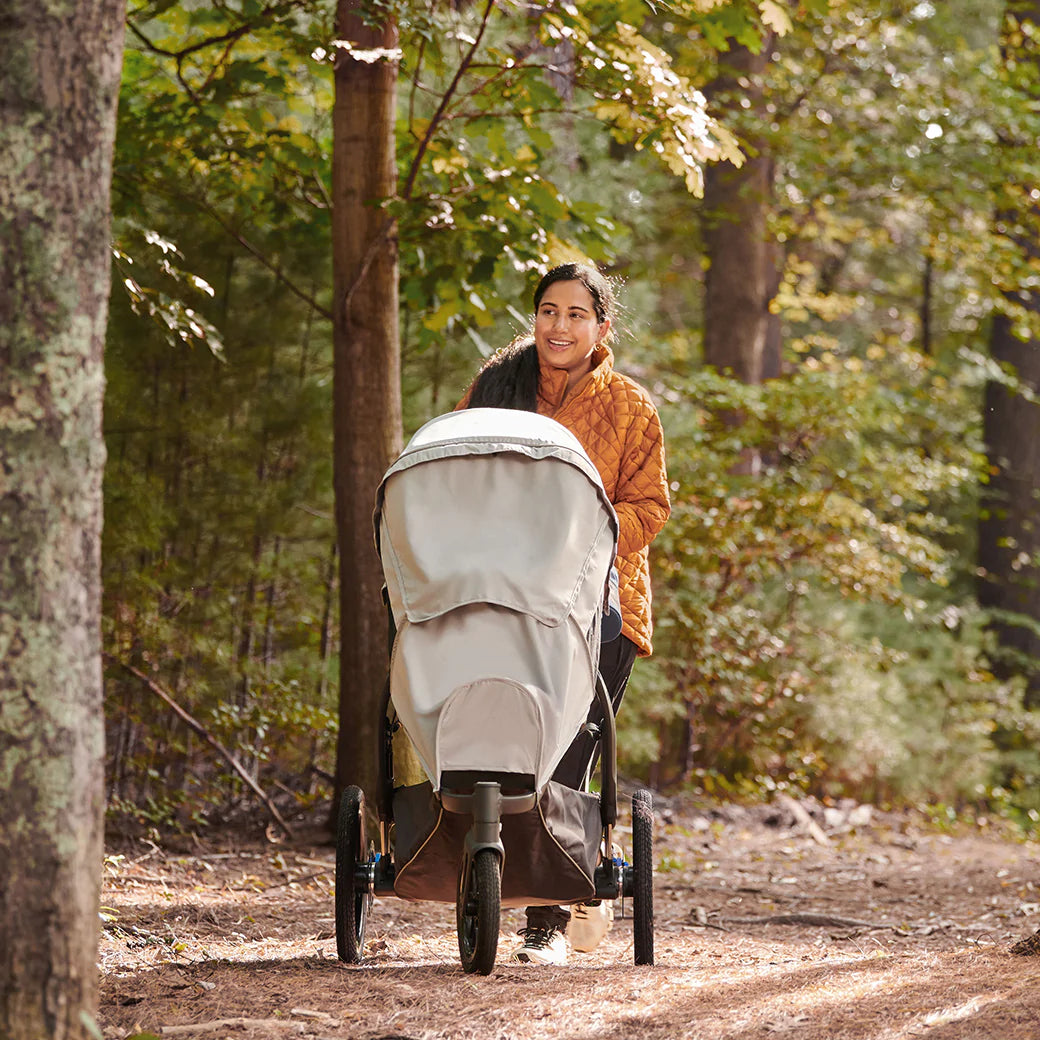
(477,911)
(643,876)
(352,899)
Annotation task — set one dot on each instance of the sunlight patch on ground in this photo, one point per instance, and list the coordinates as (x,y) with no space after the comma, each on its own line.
(955,1014)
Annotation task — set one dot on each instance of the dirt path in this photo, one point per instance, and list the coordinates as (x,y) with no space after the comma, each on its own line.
(853,927)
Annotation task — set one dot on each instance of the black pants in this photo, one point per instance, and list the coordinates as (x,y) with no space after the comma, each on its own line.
(615,665)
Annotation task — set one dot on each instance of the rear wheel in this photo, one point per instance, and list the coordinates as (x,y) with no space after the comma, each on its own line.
(478,912)
(352,900)
(643,876)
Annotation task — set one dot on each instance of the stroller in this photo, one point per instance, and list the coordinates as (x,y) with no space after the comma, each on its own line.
(497,542)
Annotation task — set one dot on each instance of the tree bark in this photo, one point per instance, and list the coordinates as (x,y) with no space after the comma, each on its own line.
(61,68)
(741,277)
(1009,526)
(367,382)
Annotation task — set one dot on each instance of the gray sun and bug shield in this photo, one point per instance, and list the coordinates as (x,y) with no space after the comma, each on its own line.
(497,540)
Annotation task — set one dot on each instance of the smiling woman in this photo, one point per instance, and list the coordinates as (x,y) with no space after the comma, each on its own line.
(565,370)
(568,324)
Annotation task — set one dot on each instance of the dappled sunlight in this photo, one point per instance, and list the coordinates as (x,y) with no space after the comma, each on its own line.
(755,939)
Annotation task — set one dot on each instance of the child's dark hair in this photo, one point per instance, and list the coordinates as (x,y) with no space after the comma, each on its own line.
(509,378)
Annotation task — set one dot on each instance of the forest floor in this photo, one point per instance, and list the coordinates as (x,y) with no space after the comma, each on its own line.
(845,924)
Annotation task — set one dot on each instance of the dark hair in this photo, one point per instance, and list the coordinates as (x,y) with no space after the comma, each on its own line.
(598,285)
(509,378)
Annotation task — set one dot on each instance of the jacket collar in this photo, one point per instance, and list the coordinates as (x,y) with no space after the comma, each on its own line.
(552,382)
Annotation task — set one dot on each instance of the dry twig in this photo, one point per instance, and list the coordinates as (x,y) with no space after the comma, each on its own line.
(197,727)
(233,1023)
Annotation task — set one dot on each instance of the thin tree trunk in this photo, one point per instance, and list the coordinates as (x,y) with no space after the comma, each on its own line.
(741,337)
(247,637)
(325,648)
(927,290)
(270,599)
(58,90)
(367,383)
(1009,526)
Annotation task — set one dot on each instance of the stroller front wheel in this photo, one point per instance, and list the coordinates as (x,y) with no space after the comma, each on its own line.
(352,900)
(478,910)
(643,876)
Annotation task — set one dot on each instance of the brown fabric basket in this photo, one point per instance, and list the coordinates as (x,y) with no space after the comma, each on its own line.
(551,851)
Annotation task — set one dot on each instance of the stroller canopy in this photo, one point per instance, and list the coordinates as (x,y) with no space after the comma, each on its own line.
(468,514)
(497,539)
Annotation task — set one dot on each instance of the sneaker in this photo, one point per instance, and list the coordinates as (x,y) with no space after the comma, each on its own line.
(542,945)
(590,922)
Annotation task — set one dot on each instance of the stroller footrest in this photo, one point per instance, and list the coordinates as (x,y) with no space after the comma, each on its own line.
(514,792)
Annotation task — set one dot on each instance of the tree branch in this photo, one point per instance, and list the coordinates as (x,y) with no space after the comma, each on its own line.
(229,37)
(370,255)
(467,60)
(250,248)
(197,727)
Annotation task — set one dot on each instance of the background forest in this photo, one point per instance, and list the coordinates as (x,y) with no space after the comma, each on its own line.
(822,216)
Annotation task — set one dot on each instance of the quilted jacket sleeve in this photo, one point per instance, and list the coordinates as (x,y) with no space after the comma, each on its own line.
(641,497)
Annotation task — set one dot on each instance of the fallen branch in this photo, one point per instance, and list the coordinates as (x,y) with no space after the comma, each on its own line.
(225,1023)
(297,880)
(803,818)
(822,920)
(208,737)
(324,1016)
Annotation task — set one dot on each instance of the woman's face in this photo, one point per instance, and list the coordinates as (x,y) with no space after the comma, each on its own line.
(566,329)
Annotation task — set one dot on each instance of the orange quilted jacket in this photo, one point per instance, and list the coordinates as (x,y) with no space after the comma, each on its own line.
(617,424)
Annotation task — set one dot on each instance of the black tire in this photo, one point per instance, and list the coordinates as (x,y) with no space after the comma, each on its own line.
(352,902)
(478,912)
(643,876)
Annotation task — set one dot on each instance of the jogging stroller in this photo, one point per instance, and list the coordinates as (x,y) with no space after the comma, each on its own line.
(497,542)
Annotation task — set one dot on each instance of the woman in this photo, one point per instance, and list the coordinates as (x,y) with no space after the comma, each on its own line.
(566,371)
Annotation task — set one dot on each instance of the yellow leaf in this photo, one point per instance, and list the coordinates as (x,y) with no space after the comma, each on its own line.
(451,164)
(775,17)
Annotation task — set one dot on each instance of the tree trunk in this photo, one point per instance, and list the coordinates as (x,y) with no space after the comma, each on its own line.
(61,68)
(1009,527)
(367,383)
(741,277)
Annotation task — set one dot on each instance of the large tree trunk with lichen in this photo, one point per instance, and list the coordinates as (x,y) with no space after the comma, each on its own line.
(61,67)
(1009,528)
(367,390)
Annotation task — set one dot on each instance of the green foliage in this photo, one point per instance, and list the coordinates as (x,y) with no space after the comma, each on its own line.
(218,498)
(814,588)
(801,590)
(500,123)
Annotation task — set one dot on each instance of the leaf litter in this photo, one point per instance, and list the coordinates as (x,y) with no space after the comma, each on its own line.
(765,927)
